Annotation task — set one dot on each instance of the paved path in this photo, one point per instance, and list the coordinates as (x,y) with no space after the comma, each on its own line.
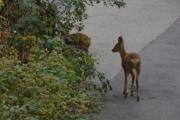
(159,83)
(140,22)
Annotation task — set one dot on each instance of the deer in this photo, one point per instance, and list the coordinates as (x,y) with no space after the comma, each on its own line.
(79,40)
(130,61)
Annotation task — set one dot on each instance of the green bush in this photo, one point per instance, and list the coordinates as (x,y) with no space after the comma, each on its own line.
(50,87)
(41,77)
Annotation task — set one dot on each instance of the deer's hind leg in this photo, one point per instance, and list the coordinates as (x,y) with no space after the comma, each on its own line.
(133,77)
(137,83)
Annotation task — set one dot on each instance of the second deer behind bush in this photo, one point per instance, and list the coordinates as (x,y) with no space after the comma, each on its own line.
(79,40)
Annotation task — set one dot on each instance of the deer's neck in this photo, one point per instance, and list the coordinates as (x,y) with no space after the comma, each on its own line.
(122,52)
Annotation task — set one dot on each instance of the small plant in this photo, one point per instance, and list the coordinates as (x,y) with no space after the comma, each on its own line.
(24,45)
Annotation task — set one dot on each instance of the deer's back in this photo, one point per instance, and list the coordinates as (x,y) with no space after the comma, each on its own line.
(131,61)
(79,40)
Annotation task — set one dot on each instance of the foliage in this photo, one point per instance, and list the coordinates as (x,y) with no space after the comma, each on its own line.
(48,17)
(1,3)
(41,77)
(48,87)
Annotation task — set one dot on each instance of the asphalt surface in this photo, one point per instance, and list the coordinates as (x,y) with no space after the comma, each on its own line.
(159,83)
(140,22)
(151,28)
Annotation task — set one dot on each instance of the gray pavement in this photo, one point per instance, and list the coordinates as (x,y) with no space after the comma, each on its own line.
(159,83)
(140,22)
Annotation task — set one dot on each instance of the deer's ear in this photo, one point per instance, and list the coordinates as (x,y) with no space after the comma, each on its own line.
(120,39)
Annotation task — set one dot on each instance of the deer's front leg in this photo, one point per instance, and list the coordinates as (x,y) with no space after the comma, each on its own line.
(125,83)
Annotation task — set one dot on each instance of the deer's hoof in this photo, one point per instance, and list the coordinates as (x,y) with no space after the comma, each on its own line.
(138,99)
(125,96)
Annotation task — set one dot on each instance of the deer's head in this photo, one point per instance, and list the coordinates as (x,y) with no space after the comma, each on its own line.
(119,45)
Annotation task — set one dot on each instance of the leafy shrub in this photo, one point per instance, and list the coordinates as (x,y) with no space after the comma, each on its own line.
(50,87)
(55,83)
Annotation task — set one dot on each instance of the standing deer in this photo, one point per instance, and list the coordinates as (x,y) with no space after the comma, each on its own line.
(79,40)
(130,61)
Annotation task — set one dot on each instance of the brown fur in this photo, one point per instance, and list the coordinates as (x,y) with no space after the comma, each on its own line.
(79,40)
(130,61)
